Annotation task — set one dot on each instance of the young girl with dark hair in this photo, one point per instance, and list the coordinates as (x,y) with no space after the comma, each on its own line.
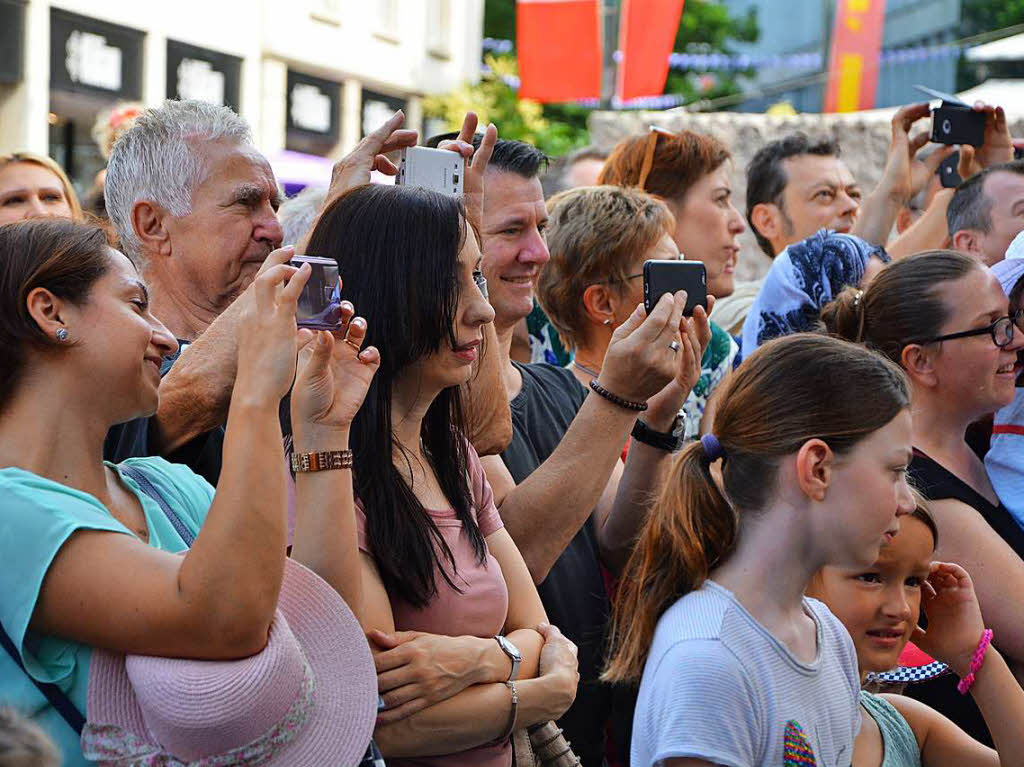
(880,606)
(737,667)
(447,598)
(943,317)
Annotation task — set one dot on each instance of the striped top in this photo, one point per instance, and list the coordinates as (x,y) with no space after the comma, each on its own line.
(718,686)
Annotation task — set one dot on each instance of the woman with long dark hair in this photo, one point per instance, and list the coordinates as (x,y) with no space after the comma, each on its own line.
(447,598)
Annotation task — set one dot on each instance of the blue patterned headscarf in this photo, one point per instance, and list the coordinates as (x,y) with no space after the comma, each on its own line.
(803,278)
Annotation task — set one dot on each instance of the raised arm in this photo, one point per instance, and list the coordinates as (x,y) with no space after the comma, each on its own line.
(196,391)
(954,629)
(112,591)
(487,413)
(928,232)
(997,571)
(903,177)
(620,520)
(333,378)
(545,511)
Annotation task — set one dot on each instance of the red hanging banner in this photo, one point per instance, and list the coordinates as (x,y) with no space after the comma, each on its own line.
(559,49)
(647,34)
(853,61)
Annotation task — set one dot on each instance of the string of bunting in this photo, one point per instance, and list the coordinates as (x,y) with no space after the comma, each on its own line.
(724,62)
(665,101)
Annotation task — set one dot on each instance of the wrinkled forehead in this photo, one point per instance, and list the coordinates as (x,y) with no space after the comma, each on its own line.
(807,170)
(226,164)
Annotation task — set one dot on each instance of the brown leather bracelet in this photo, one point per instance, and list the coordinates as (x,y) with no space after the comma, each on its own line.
(615,399)
(323,460)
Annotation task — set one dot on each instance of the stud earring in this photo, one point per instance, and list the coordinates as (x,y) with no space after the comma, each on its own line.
(607,321)
(62,334)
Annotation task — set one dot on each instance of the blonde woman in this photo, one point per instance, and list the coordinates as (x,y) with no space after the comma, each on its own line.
(33,185)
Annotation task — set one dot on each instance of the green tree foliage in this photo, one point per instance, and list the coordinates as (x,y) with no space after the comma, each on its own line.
(978,16)
(706,27)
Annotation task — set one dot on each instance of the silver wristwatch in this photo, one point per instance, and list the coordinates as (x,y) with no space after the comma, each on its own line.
(512,652)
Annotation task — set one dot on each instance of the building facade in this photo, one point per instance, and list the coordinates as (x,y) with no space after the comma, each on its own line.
(310,76)
(804,27)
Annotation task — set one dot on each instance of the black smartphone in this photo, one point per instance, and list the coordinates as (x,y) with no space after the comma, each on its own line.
(947,171)
(661,277)
(319,306)
(958,124)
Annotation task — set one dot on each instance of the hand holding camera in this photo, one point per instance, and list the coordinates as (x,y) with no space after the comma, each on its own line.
(267,335)
(642,357)
(334,373)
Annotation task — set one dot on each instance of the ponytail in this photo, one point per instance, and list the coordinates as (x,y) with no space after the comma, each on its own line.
(791,390)
(844,315)
(902,305)
(690,529)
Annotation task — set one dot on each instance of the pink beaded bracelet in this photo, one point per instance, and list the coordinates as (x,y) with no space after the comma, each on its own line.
(977,661)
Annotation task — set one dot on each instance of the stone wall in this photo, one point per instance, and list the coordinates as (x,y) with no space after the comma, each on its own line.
(864,137)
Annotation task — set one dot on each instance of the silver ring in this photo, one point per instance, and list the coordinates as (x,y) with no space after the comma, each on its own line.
(674,346)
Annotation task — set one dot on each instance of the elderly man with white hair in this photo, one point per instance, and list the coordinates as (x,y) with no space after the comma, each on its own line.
(194,205)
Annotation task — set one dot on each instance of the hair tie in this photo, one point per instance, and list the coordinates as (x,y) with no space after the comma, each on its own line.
(712,447)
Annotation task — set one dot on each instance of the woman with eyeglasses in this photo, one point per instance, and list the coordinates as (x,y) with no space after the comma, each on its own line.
(944,318)
(599,238)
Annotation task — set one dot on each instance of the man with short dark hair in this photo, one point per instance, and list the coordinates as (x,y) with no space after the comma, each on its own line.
(796,186)
(567,522)
(987,212)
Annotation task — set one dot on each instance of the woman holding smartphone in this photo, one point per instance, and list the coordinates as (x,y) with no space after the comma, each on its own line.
(91,560)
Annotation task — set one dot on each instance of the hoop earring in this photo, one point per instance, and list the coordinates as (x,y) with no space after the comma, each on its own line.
(62,335)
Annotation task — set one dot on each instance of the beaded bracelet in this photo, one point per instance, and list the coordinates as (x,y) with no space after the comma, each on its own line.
(615,399)
(977,661)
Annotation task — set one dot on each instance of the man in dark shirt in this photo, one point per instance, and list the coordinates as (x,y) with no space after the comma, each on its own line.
(561,490)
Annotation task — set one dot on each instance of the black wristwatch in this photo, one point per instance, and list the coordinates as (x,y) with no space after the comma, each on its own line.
(670,441)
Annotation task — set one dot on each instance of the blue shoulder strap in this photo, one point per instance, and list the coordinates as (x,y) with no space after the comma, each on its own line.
(56,696)
(149,489)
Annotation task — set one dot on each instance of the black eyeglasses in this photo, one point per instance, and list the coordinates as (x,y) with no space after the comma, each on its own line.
(1001,330)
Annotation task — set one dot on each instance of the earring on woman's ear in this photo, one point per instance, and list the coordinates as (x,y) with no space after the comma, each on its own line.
(607,321)
(62,335)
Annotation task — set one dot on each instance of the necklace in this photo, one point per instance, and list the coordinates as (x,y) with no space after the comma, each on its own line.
(589,371)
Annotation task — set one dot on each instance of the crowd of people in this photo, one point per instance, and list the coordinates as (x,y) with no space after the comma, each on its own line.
(505,513)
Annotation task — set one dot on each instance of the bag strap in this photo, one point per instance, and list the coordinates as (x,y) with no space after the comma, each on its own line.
(149,489)
(56,696)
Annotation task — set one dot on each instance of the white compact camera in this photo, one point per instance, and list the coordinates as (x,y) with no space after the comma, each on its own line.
(437,169)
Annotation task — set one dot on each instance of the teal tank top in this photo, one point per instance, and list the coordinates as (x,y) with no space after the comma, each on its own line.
(898,741)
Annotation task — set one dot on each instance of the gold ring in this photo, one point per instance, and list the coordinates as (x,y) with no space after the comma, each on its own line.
(354,345)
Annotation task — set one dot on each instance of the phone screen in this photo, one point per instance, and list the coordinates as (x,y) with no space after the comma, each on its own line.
(319,306)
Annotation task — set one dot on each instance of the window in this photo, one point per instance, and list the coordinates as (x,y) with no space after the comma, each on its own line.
(439,25)
(327,11)
(387,19)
